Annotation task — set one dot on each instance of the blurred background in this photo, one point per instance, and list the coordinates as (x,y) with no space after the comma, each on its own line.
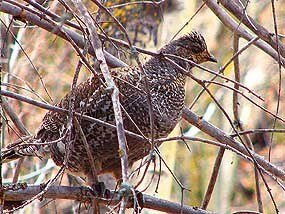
(192,162)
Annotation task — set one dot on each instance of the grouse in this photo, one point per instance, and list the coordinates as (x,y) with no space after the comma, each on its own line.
(166,88)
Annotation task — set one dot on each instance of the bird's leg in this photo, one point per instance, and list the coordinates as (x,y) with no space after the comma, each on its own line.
(95,209)
(98,188)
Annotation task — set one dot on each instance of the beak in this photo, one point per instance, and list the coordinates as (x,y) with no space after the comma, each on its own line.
(212,58)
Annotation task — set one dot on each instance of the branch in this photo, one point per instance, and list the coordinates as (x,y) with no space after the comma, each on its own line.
(213,179)
(236,113)
(83,194)
(14,117)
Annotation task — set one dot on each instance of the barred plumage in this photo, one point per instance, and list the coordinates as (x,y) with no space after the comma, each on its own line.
(166,85)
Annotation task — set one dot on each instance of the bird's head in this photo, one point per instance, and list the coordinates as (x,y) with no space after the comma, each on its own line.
(191,46)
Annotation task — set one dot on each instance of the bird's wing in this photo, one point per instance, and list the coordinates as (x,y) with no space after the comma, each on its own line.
(89,96)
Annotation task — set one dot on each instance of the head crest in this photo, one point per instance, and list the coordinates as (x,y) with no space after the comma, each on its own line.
(194,40)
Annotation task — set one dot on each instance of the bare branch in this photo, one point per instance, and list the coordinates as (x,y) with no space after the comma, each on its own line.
(213,178)
(83,194)
(240,126)
(224,138)
(258,29)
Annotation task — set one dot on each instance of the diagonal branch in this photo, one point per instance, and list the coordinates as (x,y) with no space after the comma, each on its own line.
(224,138)
(258,29)
(241,31)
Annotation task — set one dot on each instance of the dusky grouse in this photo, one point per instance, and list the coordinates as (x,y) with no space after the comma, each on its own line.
(166,85)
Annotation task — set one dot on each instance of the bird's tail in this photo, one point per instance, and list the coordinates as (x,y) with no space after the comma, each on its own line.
(23,147)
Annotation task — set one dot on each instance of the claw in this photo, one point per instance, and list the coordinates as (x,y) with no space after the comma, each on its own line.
(99,190)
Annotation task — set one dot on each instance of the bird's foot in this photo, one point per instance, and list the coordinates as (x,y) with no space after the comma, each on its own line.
(99,190)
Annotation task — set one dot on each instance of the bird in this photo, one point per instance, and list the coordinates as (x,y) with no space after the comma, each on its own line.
(166,94)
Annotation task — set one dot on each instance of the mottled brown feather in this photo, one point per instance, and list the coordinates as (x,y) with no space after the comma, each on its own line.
(166,85)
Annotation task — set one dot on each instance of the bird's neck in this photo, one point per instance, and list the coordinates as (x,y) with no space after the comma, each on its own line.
(162,70)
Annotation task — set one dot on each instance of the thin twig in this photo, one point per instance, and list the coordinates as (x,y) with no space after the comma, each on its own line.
(254,131)
(188,21)
(13,116)
(236,105)
(278,48)
(117,22)
(154,3)
(213,178)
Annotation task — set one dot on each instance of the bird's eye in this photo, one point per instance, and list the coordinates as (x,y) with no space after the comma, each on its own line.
(183,46)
